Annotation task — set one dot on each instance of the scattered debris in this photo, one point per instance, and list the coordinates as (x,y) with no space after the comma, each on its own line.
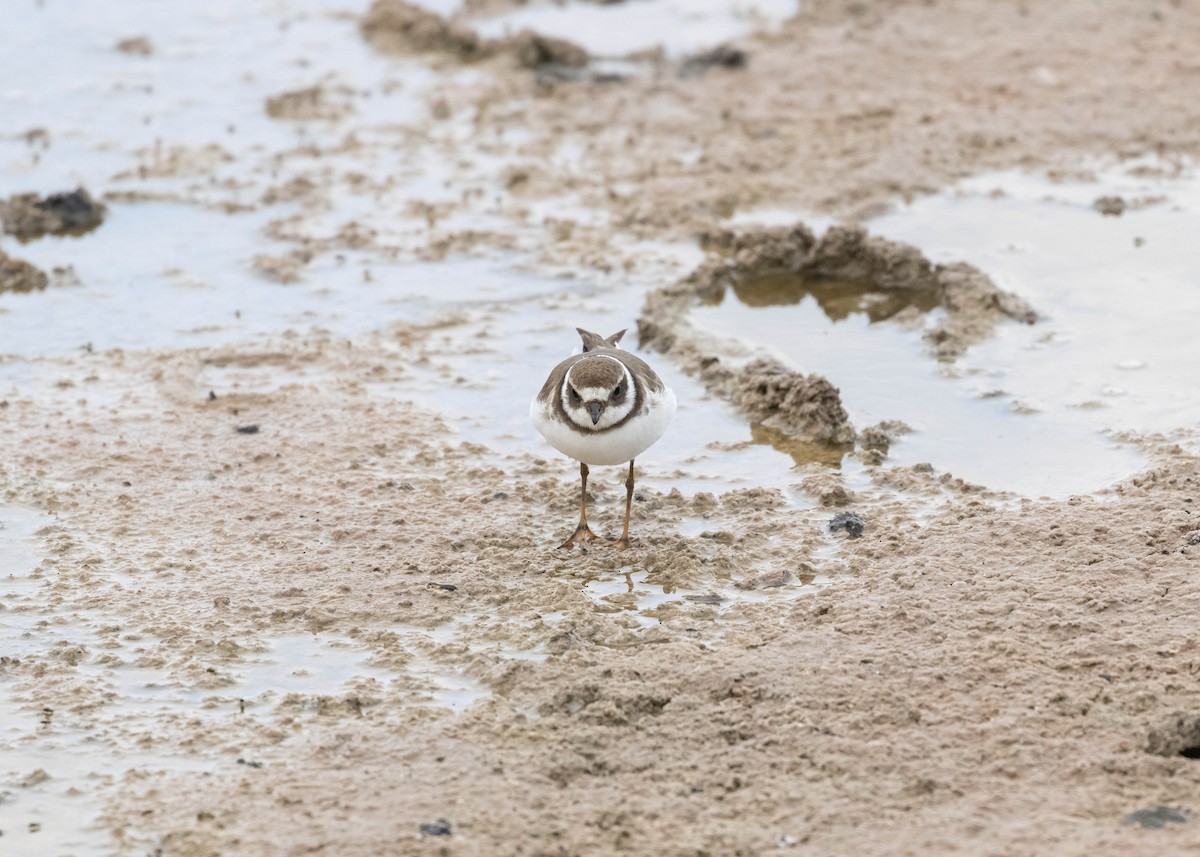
(250,429)
(249,764)
(302,105)
(444,587)
(28,216)
(851,522)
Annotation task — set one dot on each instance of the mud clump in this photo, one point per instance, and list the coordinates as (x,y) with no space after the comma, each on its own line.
(874,442)
(1179,736)
(800,405)
(281,269)
(399,27)
(850,253)
(535,51)
(722,56)
(17,275)
(395,26)
(1110,206)
(138,46)
(28,216)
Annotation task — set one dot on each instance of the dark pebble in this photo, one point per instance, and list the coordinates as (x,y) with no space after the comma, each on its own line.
(722,56)
(1156,817)
(851,522)
(441,827)
(252,429)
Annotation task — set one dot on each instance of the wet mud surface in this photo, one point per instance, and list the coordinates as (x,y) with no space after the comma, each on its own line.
(278,570)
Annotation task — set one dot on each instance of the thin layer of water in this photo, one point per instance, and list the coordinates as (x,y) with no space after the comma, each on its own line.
(1118,294)
(678,27)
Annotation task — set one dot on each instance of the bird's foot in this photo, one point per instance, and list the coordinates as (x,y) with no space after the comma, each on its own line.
(622,543)
(582,536)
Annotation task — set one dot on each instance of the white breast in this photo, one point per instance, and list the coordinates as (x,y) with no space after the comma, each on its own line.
(615,446)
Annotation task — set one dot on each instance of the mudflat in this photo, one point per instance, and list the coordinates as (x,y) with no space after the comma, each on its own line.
(281,575)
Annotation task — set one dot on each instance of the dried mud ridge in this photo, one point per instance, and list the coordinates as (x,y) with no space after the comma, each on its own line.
(803,405)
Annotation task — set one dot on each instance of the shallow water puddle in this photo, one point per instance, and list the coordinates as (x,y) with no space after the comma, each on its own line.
(630,592)
(182,289)
(212,65)
(1119,295)
(1032,409)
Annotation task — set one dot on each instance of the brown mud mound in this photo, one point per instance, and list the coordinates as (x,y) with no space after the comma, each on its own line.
(28,216)
(799,405)
(398,27)
(395,26)
(17,275)
(845,258)
(973,303)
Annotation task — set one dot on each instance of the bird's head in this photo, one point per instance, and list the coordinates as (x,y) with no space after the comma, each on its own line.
(597,392)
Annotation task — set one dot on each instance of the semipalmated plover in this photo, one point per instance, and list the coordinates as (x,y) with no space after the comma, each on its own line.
(603,406)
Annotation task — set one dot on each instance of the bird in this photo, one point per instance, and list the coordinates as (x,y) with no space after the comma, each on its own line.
(603,406)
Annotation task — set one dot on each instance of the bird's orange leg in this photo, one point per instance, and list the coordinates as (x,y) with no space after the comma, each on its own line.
(623,542)
(583,533)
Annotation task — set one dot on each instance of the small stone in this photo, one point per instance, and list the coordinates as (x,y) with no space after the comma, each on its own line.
(1156,817)
(441,827)
(851,522)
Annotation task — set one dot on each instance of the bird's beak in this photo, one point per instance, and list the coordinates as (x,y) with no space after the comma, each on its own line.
(595,408)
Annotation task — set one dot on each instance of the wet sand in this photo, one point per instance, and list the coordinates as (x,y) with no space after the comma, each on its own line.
(279,574)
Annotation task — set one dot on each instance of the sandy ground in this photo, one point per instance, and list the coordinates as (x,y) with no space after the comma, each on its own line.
(983,674)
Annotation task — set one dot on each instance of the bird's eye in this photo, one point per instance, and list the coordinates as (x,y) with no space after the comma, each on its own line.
(617,391)
(574,396)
